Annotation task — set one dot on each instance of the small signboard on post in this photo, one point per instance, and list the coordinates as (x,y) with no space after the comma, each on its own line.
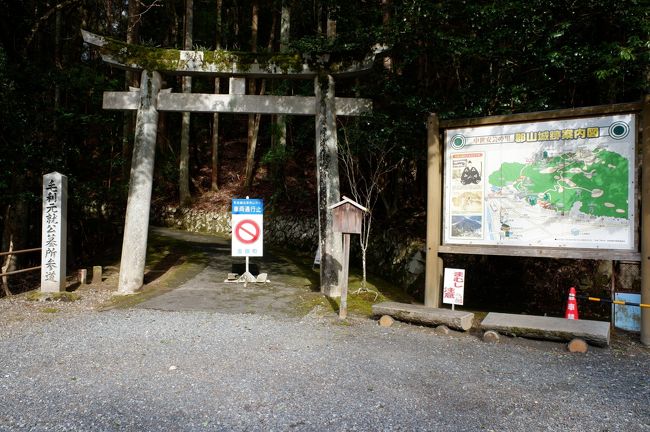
(347,219)
(247,232)
(453,287)
(247,227)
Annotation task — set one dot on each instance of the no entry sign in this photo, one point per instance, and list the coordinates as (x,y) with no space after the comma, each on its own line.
(247,231)
(247,227)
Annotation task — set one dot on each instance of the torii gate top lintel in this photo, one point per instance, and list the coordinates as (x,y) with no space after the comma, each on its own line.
(224,63)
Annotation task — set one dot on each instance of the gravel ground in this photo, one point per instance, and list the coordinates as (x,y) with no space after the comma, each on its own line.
(183,371)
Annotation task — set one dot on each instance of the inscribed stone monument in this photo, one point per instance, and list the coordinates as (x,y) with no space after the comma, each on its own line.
(53,244)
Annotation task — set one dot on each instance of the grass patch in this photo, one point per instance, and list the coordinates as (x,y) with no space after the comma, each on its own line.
(170,263)
(359,301)
(173,278)
(55,296)
(305,275)
(49,310)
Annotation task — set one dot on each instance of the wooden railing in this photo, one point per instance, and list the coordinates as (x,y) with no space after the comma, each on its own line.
(16,252)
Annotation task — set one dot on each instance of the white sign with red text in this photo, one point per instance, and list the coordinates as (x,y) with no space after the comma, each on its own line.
(454,286)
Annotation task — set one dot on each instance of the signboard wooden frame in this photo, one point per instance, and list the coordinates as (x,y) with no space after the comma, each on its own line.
(435,160)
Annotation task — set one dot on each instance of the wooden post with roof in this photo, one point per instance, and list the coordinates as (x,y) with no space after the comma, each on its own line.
(347,218)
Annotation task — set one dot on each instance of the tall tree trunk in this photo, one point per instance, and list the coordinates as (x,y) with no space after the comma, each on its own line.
(130,80)
(15,231)
(8,265)
(387,14)
(214,183)
(318,15)
(254,126)
(331,26)
(285,25)
(252,133)
(184,166)
(285,31)
(58,65)
(9,261)
(235,25)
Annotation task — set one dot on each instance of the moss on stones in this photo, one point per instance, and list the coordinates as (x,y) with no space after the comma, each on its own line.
(52,296)
(161,59)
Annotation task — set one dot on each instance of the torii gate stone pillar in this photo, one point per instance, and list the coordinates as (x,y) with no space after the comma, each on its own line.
(136,224)
(327,175)
(150,99)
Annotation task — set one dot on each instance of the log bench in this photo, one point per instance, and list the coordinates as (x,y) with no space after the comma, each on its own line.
(459,320)
(540,327)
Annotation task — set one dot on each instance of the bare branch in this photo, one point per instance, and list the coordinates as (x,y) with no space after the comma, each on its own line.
(366,174)
(147,7)
(36,27)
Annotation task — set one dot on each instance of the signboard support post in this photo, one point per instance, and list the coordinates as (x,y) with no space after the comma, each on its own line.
(645,223)
(433,266)
(247,276)
(343,310)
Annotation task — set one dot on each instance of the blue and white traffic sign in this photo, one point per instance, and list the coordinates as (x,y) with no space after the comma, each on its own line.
(247,206)
(247,227)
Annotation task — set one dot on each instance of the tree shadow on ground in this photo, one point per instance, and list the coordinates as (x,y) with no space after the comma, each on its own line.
(163,266)
(282,260)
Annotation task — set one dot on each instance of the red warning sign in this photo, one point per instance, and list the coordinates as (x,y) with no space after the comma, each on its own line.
(247,231)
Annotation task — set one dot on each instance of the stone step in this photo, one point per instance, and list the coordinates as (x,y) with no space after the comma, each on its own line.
(539,327)
(420,314)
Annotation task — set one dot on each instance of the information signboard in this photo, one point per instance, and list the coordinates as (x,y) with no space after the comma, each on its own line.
(247,227)
(559,183)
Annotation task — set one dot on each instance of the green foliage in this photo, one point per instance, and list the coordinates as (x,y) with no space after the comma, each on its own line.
(458,59)
(276,155)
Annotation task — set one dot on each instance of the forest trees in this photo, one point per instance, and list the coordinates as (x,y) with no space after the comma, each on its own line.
(459,59)
(184,164)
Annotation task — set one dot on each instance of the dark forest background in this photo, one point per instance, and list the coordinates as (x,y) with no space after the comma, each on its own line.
(456,58)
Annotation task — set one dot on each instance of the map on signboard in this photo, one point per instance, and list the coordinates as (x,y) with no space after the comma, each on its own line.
(567,183)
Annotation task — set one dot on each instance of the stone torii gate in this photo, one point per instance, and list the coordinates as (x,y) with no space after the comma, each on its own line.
(149,99)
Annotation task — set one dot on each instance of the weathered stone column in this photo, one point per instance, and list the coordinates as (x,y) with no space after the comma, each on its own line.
(136,226)
(327,174)
(54,239)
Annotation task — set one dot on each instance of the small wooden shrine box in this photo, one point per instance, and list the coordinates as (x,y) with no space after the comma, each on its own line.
(347,216)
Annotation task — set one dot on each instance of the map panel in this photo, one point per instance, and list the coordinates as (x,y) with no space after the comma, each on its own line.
(566,183)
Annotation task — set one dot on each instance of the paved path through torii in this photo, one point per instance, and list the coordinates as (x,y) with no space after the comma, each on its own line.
(149,99)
